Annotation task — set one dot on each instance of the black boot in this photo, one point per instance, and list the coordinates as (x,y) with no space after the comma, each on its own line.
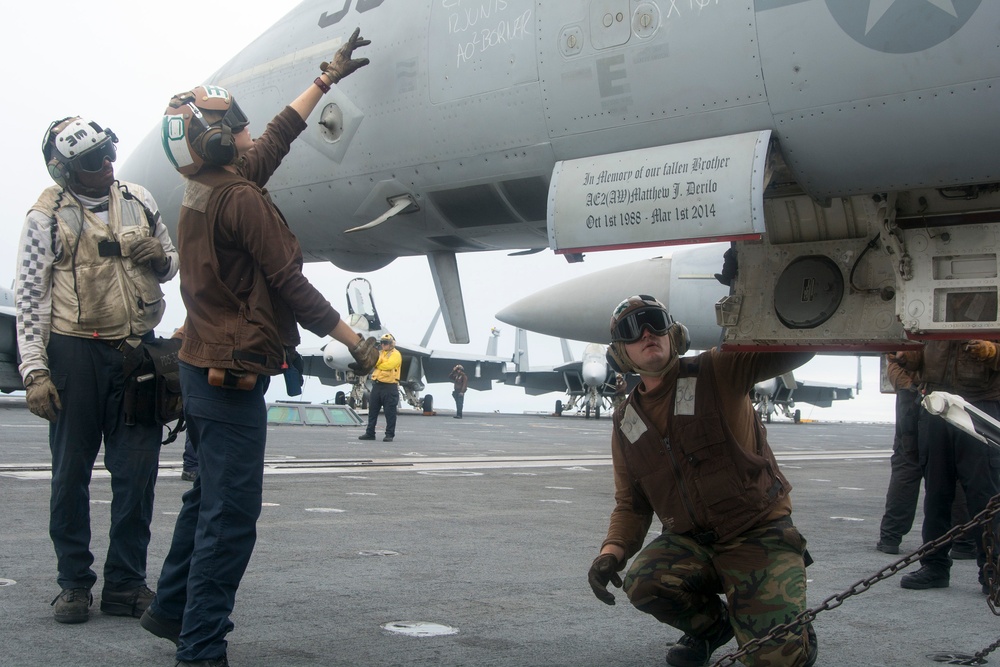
(692,651)
(926,577)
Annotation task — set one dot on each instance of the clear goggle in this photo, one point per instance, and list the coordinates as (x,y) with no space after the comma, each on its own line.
(93,160)
(629,328)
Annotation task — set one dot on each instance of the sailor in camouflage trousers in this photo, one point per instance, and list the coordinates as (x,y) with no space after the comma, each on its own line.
(688,447)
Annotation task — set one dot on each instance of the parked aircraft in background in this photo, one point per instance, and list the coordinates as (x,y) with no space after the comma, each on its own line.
(862,208)
(330,363)
(589,383)
(10,379)
(781,394)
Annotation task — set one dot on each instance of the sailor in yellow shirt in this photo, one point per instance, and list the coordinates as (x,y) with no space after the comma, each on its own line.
(385,389)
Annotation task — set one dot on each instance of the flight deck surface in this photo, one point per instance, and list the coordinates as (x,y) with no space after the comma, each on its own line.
(484,528)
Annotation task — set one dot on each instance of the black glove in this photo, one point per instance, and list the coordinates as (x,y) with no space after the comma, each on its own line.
(730,268)
(343,62)
(604,569)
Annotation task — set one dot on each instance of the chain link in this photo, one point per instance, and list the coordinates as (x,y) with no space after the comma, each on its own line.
(785,630)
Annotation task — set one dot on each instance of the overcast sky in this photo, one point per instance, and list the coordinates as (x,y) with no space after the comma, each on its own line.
(119,62)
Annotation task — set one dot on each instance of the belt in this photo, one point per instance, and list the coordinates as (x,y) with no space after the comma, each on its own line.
(120,344)
(703,538)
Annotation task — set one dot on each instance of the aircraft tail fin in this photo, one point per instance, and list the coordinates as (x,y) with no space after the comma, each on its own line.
(567,353)
(430,329)
(491,344)
(520,358)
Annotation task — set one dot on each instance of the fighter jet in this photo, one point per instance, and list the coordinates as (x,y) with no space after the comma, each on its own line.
(781,394)
(589,383)
(845,148)
(331,363)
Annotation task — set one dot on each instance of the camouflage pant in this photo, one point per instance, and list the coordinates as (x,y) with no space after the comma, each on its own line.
(761,573)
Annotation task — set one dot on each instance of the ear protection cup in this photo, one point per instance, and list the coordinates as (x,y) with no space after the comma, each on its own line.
(58,171)
(615,362)
(680,337)
(216,145)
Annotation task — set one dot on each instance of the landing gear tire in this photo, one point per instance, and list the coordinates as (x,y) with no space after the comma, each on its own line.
(340,398)
(559,408)
(586,412)
(597,412)
(797,416)
(427,403)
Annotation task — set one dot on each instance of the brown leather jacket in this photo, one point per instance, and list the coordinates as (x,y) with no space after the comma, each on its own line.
(694,452)
(241,266)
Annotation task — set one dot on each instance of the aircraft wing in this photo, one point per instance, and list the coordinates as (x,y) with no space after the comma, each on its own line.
(481,369)
(545,380)
(566,378)
(819,394)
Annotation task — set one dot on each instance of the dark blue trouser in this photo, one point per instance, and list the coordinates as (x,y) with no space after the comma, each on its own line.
(190,455)
(217,526)
(384,396)
(89,377)
(949,455)
(459,402)
(906,476)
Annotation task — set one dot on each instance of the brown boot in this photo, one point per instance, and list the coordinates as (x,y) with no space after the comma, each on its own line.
(72,605)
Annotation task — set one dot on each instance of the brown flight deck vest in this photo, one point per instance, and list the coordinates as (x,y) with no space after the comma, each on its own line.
(223,330)
(697,478)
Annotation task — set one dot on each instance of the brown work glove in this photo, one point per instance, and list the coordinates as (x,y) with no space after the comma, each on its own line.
(43,399)
(908,361)
(343,64)
(365,355)
(981,350)
(604,570)
(148,250)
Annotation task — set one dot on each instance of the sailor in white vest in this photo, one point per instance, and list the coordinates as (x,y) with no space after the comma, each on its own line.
(92,256)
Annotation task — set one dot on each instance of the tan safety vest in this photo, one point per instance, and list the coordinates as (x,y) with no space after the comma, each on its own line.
(93,296)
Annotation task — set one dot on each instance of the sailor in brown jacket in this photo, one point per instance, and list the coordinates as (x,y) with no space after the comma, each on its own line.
(242,284)
(688,446)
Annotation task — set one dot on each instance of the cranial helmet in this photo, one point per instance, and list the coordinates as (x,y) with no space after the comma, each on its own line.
(387,338)
(74,144)
(191,140)
(635,314)
(458,368)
